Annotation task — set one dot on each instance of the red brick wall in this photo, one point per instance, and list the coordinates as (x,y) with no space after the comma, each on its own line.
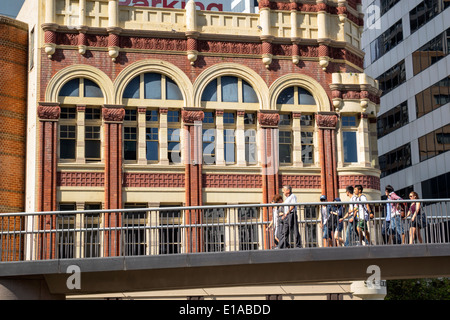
(13,103)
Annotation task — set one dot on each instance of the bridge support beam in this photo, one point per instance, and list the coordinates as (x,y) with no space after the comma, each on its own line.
(27,289)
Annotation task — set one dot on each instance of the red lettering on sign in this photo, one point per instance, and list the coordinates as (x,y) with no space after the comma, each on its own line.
(170,5)
(215,5)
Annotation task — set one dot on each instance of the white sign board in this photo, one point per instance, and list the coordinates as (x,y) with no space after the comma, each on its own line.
(247,6)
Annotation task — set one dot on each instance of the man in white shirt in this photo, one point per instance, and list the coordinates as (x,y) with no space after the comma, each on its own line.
(289,220)
(363,215)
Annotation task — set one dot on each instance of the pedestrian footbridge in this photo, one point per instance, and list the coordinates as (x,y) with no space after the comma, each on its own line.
(53,255)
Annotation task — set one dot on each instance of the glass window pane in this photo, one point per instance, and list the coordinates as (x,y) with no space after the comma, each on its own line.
(130,150)
(210,92)
(229,89)
(350,147)
(92,90)
(305,97)
(172,90)
(92,150)
(286,97)
(152,150)
(249,94)
(152,85)
(132,90)
(71,89)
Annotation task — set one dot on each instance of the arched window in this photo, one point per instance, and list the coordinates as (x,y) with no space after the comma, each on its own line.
(152,86)
(80,119)
(81,88)
(297,107)
(296,96)
(229,89)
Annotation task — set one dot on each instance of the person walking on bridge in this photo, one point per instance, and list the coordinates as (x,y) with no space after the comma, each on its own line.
(289,226)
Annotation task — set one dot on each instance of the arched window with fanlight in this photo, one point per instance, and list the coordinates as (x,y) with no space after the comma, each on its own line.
(230,101)
(80,120)
(151,92)
(297,126)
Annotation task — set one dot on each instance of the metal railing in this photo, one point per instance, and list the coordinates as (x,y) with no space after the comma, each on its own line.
(174,230)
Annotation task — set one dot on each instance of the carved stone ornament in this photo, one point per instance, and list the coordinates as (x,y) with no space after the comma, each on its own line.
(190,116)
(326,121)
(268,119)
(49,112)
(113,114)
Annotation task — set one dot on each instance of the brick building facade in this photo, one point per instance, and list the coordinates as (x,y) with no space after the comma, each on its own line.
(13,84)
(149,107)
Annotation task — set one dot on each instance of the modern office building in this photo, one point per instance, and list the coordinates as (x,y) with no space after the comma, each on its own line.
(407,44)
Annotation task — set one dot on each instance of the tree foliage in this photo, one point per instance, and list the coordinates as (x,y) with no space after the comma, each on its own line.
(418,289)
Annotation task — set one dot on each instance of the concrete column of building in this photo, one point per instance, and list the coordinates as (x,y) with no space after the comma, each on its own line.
(142,133)
(294,32)
(266,37)
(297,139)
(323,35)
(240,138)
(220,148)
(363,141)
(49,114)
(163,142)
(80,146)
(268,122)
(191,31)
(326,123)
(49,26)
(192,120)
(113,29)
(113,117)
(82,27)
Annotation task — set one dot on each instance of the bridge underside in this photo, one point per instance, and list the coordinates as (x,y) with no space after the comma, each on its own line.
(204,270)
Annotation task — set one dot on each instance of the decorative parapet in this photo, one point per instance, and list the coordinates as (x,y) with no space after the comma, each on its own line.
(102,23)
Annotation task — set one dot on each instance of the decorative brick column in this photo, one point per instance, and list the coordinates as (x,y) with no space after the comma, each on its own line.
(193,157)
(268,122)
(113,117)
(49,114)
(327,121)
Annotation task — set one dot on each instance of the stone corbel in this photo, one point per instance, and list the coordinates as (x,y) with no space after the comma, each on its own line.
(82,41)
(295,50)
(337,100)
(49,38)
(324,55)
(267,55)
(192,45)
(342,10)
(114,42)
